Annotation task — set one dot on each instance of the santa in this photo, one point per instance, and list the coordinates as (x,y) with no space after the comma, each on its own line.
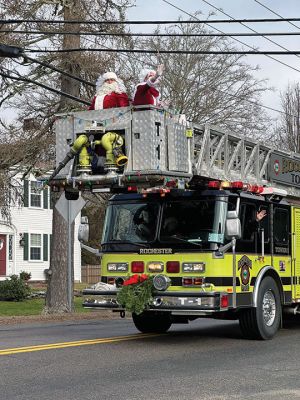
(110,93)
(146,92)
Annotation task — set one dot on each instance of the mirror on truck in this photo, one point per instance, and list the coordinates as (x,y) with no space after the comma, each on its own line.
(233,226)
(83,229)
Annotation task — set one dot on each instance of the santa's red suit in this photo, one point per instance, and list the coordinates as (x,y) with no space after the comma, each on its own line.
(110,100)
(145,94)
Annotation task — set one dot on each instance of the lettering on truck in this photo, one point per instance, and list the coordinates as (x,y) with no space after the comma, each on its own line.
(156,251)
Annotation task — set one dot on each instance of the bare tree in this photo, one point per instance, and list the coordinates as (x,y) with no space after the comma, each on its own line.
(287,132)
(211,88)
(37,108)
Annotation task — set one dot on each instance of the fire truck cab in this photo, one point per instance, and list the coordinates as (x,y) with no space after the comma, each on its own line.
(208,254)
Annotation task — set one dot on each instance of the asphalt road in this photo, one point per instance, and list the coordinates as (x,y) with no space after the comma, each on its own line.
(108,359)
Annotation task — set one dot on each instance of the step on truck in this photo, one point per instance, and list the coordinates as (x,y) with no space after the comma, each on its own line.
(183,211)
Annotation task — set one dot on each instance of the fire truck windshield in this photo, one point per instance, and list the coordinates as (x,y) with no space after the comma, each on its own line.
(184,223)
(198,222)
(132,222)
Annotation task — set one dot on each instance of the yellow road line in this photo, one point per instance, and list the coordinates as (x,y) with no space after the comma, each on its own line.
(62,345)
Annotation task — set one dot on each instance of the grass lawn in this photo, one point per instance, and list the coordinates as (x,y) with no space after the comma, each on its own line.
(31,307)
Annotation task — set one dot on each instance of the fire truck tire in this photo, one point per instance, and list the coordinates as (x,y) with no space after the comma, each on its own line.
(151,322)
(263,322)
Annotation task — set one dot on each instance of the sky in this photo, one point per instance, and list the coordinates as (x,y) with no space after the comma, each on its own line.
(278,75)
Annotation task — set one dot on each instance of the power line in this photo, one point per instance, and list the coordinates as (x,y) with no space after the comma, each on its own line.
(275,13)
(59,70)
(19,78)
(151,34)
(17,52)
(237,40)
(148,51)
(246,26)
(154,22)
(236,20)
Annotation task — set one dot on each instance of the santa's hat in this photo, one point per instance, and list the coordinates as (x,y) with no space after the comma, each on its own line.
(109,75)
(144,74)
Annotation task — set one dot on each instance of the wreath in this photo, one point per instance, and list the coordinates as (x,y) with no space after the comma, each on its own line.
(136,293)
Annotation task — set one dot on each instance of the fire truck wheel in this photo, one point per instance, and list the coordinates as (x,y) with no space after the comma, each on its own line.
(263,321)
(152,322)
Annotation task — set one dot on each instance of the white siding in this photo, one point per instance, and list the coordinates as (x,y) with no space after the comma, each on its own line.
(32,220)
(39,221)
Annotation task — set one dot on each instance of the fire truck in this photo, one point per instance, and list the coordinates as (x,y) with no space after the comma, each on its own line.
(184,207)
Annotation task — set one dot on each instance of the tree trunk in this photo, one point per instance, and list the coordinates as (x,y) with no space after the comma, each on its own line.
(57,298)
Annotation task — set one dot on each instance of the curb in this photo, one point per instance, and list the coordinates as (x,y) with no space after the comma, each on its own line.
(101,314)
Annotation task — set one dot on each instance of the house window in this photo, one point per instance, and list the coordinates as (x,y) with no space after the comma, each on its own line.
(35,194)
(35,246)
(10,247)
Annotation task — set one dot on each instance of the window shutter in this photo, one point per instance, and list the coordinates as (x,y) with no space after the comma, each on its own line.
(45,247)
(51,199)
(26,193)
(26,246)
(45,198)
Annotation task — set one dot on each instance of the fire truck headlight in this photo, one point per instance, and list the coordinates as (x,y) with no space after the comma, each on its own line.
(193,267)
(113,267)
(161,282)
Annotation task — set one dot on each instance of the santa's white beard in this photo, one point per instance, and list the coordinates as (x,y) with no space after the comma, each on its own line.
(108,88)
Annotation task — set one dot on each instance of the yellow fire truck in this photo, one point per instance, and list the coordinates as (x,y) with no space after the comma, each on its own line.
(186,214)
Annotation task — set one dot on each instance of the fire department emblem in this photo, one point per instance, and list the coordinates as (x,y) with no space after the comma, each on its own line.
(245,264)
(276,167)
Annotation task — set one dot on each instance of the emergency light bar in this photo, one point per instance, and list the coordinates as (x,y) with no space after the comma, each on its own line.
(247,187)
(238,185)
(274,191)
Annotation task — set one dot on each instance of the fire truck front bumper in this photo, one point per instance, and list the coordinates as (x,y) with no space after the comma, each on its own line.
(184,302)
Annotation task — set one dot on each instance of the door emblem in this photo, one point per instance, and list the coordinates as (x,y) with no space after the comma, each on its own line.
(245,264)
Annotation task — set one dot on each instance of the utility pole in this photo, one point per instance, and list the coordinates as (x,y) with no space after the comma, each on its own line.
(59,297)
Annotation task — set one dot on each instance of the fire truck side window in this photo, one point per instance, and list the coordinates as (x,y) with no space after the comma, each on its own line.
(264,225)
(247,217)
(281,230)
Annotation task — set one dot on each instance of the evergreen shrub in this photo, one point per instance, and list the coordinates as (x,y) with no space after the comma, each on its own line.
(14,289)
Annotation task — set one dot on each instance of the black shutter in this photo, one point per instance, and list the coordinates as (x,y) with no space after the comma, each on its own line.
(45,247)
(45,198)
(26,193)
(51,199)
(26,246)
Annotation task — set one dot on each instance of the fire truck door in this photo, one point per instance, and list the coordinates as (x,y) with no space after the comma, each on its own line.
(296,252)
(2,255)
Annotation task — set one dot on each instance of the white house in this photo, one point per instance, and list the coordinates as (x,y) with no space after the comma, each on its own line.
(25,239)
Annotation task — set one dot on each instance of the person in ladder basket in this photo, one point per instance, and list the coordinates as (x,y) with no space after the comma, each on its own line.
(146,92)
(110,93)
